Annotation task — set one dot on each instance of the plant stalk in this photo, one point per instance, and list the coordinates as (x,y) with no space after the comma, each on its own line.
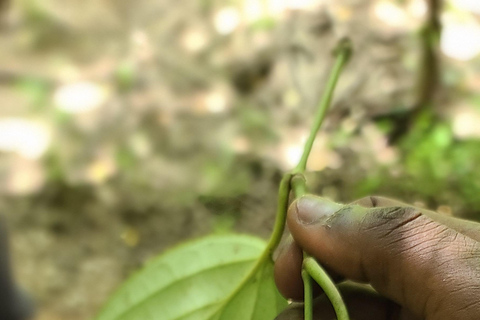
(281,216)
(311,268)
(308,295)
(296,181)
(328,286)
(343,53)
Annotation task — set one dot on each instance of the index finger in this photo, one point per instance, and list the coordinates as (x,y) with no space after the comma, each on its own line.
(469,228)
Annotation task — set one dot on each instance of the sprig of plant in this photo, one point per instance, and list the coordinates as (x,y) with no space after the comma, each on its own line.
(295,181)
(229,277)
(311,268)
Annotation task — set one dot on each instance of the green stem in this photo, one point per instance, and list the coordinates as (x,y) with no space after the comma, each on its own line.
(311,269)
(328,286)
(298,185)
(281,216)
(343,53)
(296,180)
(308,296)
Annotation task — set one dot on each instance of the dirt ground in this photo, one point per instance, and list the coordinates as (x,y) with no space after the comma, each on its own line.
(193,135)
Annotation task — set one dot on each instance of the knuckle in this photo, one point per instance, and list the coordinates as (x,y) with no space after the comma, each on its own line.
(405,230)
(402,239)
(387,220)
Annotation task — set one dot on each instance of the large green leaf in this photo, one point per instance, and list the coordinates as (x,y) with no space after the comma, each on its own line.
(204,279)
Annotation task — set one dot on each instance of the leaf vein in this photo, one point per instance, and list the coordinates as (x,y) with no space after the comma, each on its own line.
(151,296)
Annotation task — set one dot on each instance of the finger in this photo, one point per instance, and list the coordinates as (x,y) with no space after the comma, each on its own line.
(287,272)
(362,303)
(469,228)
(289,261)
(410,258)
(288,264)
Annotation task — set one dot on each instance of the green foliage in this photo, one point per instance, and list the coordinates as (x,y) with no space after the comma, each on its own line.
(442,166)
(45,28)
(204,279)
(36,91)
(370,185)
(427,155)
(435,167)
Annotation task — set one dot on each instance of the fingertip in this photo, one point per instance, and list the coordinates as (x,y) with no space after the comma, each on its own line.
(287,271)
(333,238)
(311,209)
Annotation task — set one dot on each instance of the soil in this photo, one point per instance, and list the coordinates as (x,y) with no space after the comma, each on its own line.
(183,166)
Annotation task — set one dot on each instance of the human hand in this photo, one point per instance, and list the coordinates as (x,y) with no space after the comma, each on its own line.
(422,265)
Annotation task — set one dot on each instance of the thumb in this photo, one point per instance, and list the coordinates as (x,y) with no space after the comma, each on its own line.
(419,263)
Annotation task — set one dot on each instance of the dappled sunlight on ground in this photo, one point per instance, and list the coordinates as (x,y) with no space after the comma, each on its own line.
(126,127)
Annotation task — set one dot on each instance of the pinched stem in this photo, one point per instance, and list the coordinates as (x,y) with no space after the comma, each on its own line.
(295,181)
(328,286)
(299,185)
(308,295)
(281,216)
(311,268)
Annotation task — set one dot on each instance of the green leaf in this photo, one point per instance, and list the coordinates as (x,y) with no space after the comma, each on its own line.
(210,278)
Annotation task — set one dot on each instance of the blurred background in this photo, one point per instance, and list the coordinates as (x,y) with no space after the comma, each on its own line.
(129,126)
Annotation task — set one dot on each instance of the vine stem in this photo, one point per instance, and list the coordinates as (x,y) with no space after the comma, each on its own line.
(326,283)
(281,216)
(295,181)
(343,53)
(280,219)
(308,295)
(311,268)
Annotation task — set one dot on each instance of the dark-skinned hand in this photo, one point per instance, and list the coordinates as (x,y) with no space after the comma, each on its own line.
(418,264)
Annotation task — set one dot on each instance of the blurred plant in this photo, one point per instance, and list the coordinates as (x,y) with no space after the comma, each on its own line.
(442,162)
(45,28)
(436,167)
(427,80)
